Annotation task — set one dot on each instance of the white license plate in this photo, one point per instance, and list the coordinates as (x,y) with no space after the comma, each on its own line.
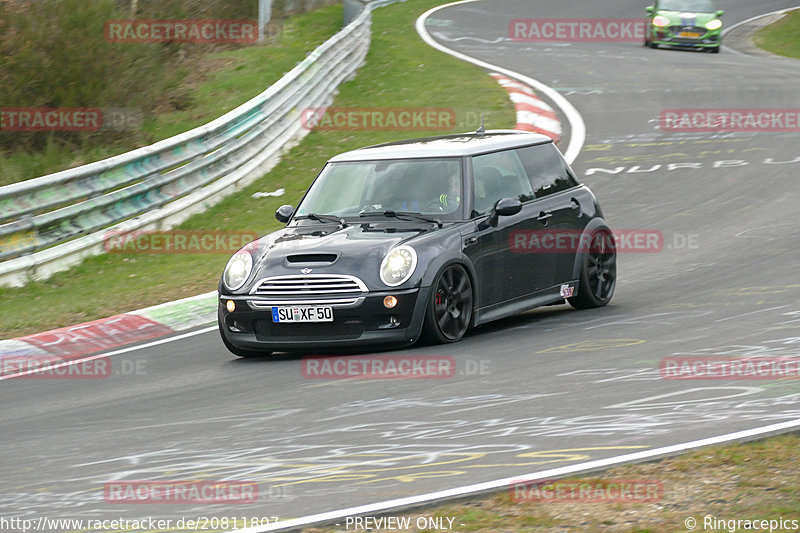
(323,313)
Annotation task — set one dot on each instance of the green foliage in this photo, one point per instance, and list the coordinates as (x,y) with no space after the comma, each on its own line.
(782,37)
(203,83)
(195,9)
(55,55)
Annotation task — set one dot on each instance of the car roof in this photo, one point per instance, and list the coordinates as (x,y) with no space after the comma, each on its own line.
(456,145)
(711,5)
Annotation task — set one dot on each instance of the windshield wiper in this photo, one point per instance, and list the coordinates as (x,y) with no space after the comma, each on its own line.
(324,218)
(399,214)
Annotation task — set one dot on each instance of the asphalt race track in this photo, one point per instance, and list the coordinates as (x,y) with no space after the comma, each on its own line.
(549,388)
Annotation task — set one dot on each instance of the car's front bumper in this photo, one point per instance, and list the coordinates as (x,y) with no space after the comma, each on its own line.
(666,37)
(367,323)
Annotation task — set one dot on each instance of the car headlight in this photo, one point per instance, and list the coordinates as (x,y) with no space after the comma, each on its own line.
(237,270)
(714,24)
(661,21)
(398,265)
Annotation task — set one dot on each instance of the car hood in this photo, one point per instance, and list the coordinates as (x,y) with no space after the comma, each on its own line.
(357,249)
(688,18)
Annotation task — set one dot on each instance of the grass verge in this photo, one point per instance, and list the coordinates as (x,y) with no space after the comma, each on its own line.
(781,37)
(753,481)
(212,84)
(401,71)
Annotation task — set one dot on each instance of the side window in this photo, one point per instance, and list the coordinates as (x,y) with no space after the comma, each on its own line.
(547,171)
(498,175)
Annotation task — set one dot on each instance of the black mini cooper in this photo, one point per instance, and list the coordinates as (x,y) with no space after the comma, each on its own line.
(420,238)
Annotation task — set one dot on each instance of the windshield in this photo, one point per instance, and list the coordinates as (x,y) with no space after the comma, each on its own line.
(428,186)
(697,6)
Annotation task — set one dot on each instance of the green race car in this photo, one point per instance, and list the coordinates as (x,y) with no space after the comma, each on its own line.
(684,24)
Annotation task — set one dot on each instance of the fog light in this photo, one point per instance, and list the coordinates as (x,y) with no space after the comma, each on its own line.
(230,306)
(389,302)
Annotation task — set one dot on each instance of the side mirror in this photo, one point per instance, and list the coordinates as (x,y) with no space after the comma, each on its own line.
(650,10)
(503,208)
(284,213)
(506,207)
(720,13)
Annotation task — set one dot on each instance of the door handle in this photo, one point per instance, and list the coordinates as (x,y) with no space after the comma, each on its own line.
(544,218)
(576,206)
(469,241)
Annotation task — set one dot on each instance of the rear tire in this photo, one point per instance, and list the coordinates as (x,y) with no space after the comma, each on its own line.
(448,314)
(241,352)
(598,272)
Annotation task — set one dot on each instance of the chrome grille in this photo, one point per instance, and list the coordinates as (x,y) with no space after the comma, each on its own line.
(694,29)
(322,288)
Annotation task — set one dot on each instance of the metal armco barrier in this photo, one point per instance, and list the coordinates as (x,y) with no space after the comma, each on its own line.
(50,223)
(352,8)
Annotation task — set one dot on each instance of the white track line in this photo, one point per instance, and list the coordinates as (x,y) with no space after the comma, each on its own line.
(108,354)
(507,483)
(577,127)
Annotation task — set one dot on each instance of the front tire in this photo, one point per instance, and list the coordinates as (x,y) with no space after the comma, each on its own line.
(598,272)
(448,314)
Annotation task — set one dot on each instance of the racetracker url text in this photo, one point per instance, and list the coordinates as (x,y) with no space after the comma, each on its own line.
(201,523)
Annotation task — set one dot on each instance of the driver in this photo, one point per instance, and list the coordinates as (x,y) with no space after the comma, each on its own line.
(450,199)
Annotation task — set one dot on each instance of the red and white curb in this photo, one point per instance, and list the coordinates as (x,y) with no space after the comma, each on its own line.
(533,114)
(74,342)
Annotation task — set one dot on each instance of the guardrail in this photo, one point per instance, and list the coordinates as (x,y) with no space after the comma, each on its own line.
(50,223)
